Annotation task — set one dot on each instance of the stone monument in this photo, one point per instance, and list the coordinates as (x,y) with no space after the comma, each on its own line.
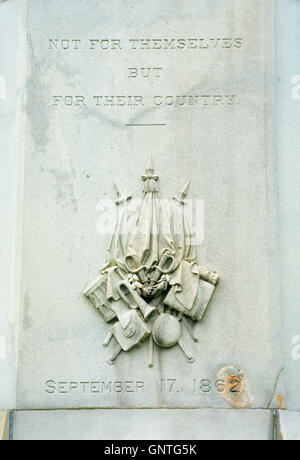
(143,276)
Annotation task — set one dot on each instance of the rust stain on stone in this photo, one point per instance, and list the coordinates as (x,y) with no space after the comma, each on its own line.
(236,391)
(280,399)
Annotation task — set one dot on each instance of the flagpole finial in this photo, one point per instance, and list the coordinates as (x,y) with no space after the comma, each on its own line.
(185,189)
(150,167)
(183,193)
(122,196)
(117,188)
(149,177)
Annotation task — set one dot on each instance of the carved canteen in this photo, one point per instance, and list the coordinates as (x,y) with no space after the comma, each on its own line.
(151,287)
(166,330)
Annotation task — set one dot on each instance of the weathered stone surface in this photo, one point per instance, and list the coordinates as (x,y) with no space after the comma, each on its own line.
(288,144)
(206,424)
(289,426)
(11,91)
(4,426)
(73,154)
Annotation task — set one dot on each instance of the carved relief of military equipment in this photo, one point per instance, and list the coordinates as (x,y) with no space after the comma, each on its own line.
(151,286)
(96,293)
(134,300)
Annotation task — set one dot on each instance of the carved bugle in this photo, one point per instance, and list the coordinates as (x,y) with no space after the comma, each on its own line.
(164,266)
(134,266)
(132,298)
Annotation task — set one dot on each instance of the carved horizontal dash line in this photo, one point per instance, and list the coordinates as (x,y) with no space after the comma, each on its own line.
(145,124)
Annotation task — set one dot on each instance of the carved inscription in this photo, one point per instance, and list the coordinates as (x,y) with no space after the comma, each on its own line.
(145,72)
(140,44)
(200,385)
(100,386)
(150,71)
(237,391)
(189,100)
(196,386)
